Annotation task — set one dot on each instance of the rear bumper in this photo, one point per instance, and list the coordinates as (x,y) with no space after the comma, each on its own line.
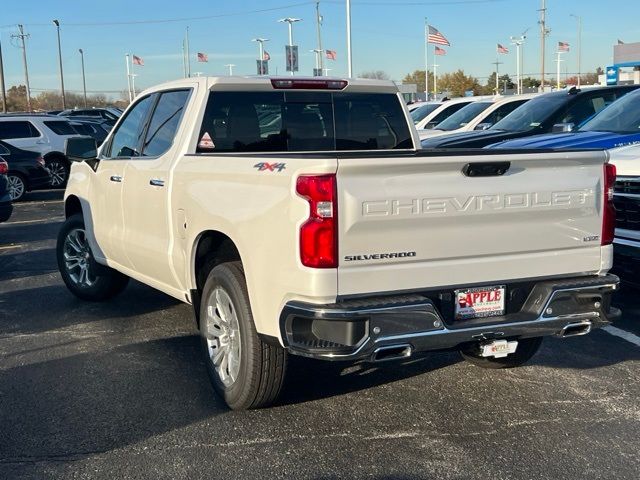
(361,329)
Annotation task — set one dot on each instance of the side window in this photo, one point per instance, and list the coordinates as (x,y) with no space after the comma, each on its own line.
(4,150)
(17,129)
(164,122)
(60,127)
(447,112)
(502,111)
(126,140)
(586,107)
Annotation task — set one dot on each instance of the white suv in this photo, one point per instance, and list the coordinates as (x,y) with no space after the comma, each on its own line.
(45,134)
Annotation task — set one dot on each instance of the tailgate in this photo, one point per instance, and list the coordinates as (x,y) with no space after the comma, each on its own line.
(418,222)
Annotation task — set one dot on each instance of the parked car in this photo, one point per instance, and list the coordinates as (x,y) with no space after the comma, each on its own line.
(6,206)
(626,198)
(562,110)
(332,235)
(111,115)
(432,113)
(44,134)
(95,128)
(479,115)
(26,172)
(615,126)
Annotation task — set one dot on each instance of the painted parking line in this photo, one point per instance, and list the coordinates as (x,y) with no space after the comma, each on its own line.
(42,220)
(42,202)
(618,332)
(7,247)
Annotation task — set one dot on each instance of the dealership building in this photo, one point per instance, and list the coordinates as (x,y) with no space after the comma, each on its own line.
(626,65)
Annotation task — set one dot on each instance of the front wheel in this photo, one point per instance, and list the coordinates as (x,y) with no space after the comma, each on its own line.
(59,169)
(245,371)
(527,348)
(82,275)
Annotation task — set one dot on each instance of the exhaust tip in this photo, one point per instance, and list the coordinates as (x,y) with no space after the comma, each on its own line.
(575,329)
(391,352)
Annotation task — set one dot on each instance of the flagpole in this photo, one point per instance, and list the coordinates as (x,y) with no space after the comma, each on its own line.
(558,70)
(184,62)
(426,59)
(188,58)
(126,59)
(435,78)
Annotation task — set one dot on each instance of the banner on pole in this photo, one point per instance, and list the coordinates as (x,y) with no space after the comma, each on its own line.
(317,72)
(291,54)
(262,67)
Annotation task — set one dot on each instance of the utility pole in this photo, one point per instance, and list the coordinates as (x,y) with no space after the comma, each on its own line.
(84,82)
(319,29)
(579,19)
(544,31)
(64,100)
(3,89)
(349,53)
(22,36)
(497,63)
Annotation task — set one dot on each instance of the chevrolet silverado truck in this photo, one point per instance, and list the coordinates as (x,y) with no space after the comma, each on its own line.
(300,216)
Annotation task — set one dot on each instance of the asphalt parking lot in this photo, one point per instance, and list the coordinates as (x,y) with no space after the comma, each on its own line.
(118,390)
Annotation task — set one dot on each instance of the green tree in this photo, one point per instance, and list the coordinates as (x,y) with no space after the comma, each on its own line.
(457,83)
(417,77)
(375,74)
(529,82)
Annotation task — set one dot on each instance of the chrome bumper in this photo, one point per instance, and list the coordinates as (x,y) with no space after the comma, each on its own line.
(361,329)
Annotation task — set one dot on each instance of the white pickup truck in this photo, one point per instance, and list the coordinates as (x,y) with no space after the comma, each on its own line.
(299,216)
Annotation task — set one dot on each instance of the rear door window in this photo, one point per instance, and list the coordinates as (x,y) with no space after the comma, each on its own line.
(60,127)
(447,112)
(17,129)
(302,121)
(502,111)
(587,106)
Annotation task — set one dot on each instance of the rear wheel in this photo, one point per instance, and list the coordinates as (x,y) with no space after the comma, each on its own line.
(527,348)
(82,275)
(17,186)
(59,169)
(245,371)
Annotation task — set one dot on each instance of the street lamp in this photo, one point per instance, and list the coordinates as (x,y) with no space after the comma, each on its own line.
(318,55)
(230,67)
(84,83)
(579,19)
(290,21)
(64,101)
(260,42)
(518,42)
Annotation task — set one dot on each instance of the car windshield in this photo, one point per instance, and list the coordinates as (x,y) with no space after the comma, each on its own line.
(421,112)
(463,116)
(622,116)
(530,115)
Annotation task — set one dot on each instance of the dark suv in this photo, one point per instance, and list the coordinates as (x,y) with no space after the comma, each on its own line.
(560,111)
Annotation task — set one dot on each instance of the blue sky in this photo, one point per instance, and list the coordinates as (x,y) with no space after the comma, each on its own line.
(387,35)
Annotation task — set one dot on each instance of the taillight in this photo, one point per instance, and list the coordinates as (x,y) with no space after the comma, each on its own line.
(308,84)
(319,234)
(40,161)
(4,168)
(608,209)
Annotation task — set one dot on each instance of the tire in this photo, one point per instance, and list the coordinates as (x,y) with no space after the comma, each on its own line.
(16,186)
(59,169)
(82,275)
(245,371)
(527,348)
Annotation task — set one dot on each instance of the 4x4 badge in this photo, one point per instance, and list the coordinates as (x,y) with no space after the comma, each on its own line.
(270,167)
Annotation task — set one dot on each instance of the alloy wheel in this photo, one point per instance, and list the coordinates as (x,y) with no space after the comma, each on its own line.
(78,260)
(16,187)
(58,173)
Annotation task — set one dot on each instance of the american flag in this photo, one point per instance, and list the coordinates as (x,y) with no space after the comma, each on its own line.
(203,57)
(331,54)
(440,51)
(563,47)
(138,61)
(434,36)
(503,50)
(266,56)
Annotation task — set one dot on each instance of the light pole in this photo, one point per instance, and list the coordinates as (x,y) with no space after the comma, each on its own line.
(518,42)
(290,21)
(579,19)
(64,100)
(318,55)
(260,42)
(319,33)
(558,60)
(230,67)
(84,82)
(497,63)
(349,53)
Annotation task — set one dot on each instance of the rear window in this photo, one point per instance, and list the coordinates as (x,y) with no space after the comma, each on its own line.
(17,129)
(60,127)
(302,121)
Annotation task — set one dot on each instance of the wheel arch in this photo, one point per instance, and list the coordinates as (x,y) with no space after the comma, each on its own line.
(72,205)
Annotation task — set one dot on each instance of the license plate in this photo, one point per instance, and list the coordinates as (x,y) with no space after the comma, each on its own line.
(498,349)
(480,302)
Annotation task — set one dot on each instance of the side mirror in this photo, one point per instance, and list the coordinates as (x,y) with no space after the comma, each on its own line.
(483,126)
(81,149)
(563,127)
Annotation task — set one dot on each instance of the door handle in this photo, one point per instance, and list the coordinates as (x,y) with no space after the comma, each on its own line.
(486,169)
(116,178)
(156,182)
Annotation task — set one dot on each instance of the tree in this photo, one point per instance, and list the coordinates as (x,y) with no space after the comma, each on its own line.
(529,82)
(417,78)
(375,74)
(457,83)
(17,99)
